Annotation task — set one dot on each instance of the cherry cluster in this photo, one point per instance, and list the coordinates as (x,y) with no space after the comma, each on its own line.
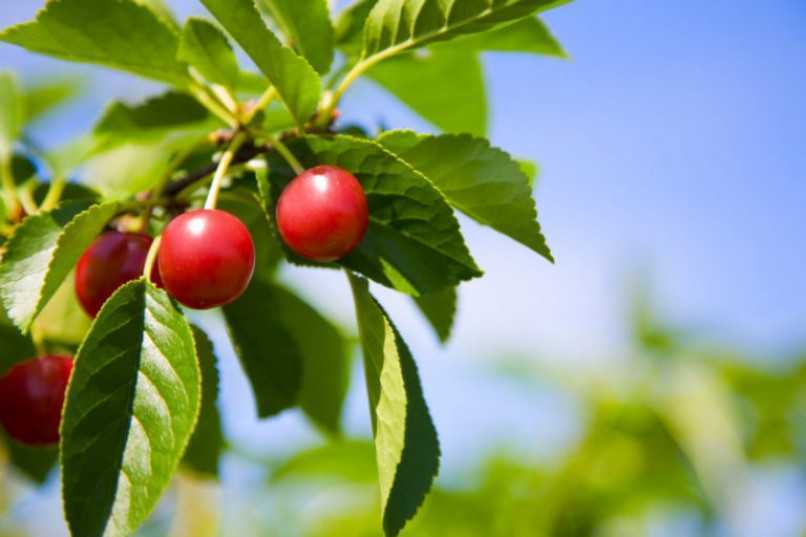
(206,259)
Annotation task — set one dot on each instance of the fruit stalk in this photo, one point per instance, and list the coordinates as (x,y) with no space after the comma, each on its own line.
(221,171)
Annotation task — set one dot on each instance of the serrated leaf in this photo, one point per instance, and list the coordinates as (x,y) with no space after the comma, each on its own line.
(44,97)
(162,10)
(394,26)
(439,309)
(43,251)
(252,212)
(207,442)
(413,243)
(528,35)
(159,115)
(325,359)
(206,48)
(307,26)
(120,34)
(297,83)
(35,463)
(460,105)
(268,352)
(130,409)
(12,113)
(352,461)
(406,443)
(483,182)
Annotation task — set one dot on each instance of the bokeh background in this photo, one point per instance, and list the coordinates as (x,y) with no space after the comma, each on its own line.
(672,193)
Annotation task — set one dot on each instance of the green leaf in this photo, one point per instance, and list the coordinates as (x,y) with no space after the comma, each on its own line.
(120,34)
(406,443)
(12,113)
(483,182)
(440,310)
(136,166)
(44,97)
(352,461)
(307,26)
(350,27)
(130,409)
(460,105)
(63,320)
(324,353)
(394,26)
(207,442)
(16,346)
(252,212)
(297,83)
(530,169)
(162,10)
(528,35)
(206,48)
(43,251)
(413,243)
(156,116)
(267,350)
(34,462)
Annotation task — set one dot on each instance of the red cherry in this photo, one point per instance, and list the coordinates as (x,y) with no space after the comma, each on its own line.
(206,258)
(322,214)
(112,260)
(31,399)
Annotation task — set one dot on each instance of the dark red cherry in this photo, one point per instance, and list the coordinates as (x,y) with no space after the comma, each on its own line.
(112,260)
(322,214)
(206,258)
(31,399)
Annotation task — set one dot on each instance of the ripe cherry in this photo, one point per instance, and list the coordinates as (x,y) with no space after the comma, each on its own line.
(322,214)
(31,399)
(112,260)
(206,258)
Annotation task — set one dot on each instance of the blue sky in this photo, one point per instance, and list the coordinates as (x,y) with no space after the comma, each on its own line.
(671,144)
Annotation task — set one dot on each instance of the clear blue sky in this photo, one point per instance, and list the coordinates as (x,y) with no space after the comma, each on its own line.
(671,143)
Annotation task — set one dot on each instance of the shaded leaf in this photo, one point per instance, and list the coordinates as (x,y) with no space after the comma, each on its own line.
(130,409)
(406,443)
(63,320)
(120,34)
(206,48)
(43,251)
(16,346)
(267,350)
(207,442)
(483,182)
(324,355)
(297,83)
(440,310)
(35,463)
(460,105)
(307,26)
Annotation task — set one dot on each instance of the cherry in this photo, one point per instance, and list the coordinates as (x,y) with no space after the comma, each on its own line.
(31,399)
(322,214)
(206,258)
(112,260)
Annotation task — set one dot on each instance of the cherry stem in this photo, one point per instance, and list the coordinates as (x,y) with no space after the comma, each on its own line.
(151,258)
(221,171)
(9,188)
(54,194)
(286,153)
(264,101)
